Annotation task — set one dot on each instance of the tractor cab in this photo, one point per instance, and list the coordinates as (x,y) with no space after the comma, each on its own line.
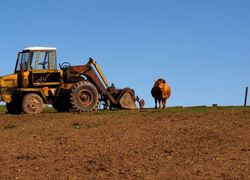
(36,58)
(37,66)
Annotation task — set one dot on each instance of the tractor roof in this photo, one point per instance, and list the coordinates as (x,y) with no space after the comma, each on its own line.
(39,48)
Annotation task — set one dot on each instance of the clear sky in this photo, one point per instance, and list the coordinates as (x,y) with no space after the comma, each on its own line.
(201,47)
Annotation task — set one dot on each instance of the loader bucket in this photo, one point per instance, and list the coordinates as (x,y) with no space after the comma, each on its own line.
(127,99)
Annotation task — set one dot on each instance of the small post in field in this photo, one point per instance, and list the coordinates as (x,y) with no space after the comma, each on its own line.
(246,92)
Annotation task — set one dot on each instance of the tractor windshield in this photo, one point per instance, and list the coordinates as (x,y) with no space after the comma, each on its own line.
(43,60)
(23,58)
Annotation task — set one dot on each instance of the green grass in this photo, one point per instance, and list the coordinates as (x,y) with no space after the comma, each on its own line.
(9,126)
(169,109)
(77,126)
(2,109)
(46,109)
(203,108)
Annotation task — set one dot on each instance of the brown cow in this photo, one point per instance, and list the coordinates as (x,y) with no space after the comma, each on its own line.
(161,92)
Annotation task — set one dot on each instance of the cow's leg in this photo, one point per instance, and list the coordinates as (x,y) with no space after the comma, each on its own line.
(164,103)
(160,101)
(155,103)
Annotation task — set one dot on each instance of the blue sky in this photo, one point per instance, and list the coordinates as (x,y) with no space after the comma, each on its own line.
(201,47)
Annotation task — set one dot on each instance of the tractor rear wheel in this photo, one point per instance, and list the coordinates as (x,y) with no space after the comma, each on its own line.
(32,103)
(84,97)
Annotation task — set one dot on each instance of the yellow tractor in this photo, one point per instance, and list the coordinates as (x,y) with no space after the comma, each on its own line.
(37,81)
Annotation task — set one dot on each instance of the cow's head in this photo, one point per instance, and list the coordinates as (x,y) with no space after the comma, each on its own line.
(160,81)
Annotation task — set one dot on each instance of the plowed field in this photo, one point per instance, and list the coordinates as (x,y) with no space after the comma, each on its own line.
(176,143)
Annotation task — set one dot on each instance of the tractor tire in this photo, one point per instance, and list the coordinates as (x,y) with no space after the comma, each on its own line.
(32,104)
(62,103)
(84,97)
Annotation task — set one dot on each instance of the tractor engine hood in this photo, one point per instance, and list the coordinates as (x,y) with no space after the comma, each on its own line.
(8,82)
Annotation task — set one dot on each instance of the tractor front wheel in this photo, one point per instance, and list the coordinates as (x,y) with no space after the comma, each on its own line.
(32,103)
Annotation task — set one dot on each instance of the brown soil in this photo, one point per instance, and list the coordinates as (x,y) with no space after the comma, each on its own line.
(188,143)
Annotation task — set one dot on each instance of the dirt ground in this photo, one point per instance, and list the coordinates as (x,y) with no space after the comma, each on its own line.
(176,143)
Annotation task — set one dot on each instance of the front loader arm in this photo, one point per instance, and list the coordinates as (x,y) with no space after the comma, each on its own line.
(92,61)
